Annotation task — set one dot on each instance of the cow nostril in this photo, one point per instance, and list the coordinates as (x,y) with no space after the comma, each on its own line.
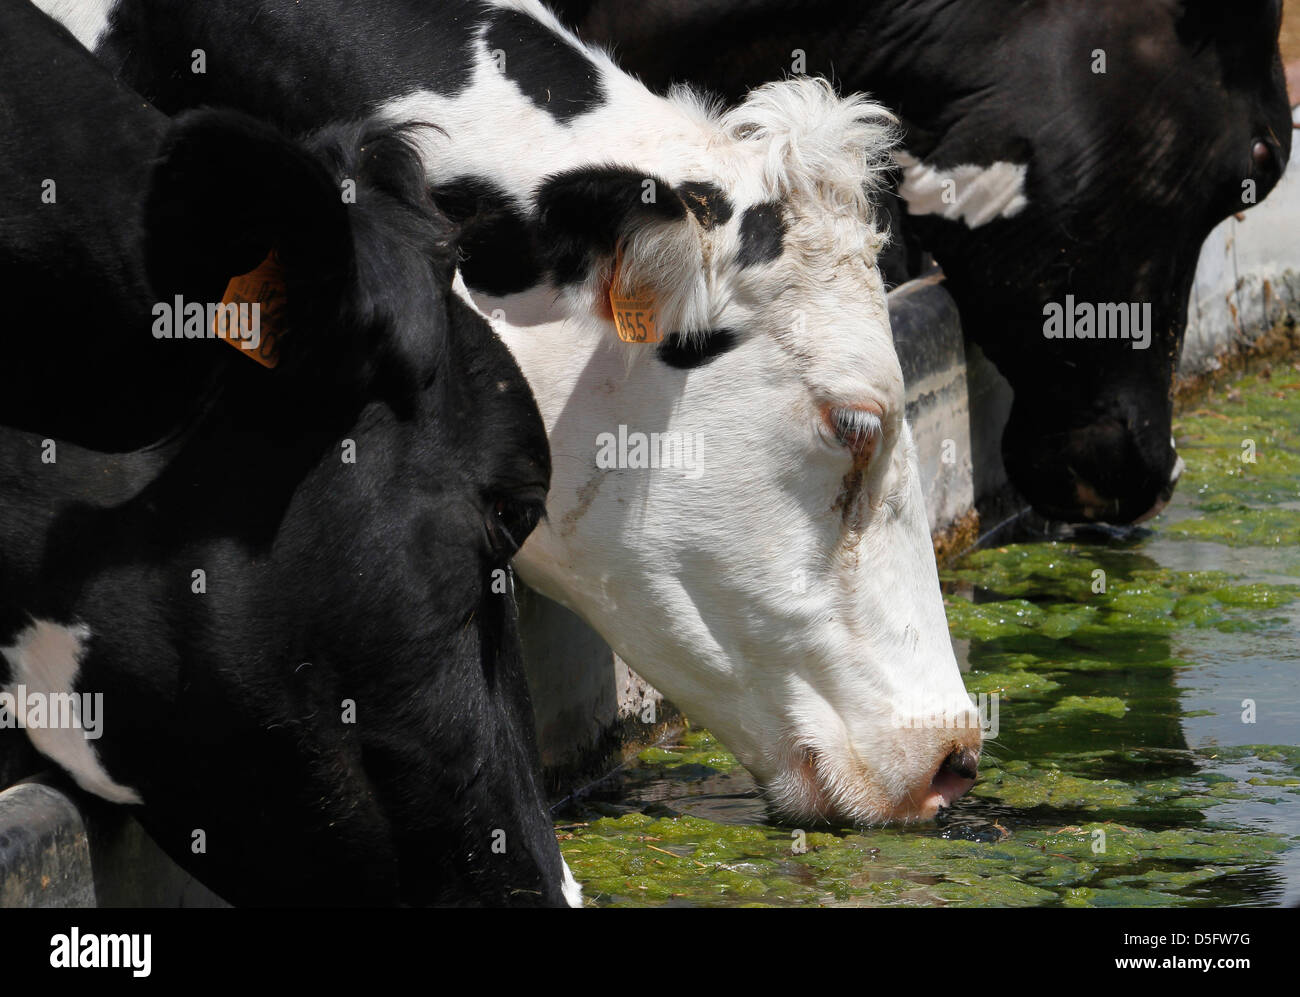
(1262,154)
(962,762)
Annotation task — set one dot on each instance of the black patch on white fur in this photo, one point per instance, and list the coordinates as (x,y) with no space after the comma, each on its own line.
(707,202)
(581,214)
(762,234)
(550,71)
(497,246)
(685,352)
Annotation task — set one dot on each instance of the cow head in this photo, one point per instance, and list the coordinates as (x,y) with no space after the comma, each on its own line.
(1083,178)
(362,501)
(737,508)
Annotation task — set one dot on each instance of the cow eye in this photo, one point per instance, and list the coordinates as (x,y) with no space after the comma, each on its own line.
(857,429)
(509,523)
(1262,153)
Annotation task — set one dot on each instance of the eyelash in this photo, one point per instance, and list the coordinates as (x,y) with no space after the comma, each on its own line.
(855,427)
(857,430)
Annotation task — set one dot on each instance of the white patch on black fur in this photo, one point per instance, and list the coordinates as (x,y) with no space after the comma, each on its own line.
(86,19)
(46,658)
(973,195)
(571,888)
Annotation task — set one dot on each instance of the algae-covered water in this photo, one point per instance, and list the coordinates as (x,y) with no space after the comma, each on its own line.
(1148,691)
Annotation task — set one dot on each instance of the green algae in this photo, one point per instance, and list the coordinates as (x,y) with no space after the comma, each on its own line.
(1022,785)
(1011,684)
(1111,706)
(1119,896)
(1117,620)
(1244,458)
(1285,755)
(700,751)
(1243,526)
(988,621)
(1135,602)
(993,891)
(636,860)
(641,859)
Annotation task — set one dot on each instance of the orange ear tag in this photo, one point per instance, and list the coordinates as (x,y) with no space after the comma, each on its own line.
(635,316)
(261,289)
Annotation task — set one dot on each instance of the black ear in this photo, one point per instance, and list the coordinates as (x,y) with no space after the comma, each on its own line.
(226,191)
(581,214)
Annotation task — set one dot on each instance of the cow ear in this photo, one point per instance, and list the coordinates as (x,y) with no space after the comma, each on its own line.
(583,213)
(225,192)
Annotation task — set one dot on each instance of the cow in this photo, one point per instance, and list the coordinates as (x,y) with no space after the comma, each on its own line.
(1058,158)
(692,293)
(280,629)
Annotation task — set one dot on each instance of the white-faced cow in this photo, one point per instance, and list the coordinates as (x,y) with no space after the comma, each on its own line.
(268,607)
(736,507)
(1058,155)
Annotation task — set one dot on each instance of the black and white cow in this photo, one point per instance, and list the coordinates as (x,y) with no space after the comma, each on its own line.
(736,509)
(277,621)
(1057,155)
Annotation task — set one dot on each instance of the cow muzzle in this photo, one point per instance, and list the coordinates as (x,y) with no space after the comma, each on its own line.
(925,771)
(1098,473)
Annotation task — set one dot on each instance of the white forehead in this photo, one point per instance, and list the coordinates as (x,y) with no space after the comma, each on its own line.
(828,314)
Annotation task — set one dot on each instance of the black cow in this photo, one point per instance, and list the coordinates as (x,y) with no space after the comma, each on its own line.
(270,606)
(1125,130)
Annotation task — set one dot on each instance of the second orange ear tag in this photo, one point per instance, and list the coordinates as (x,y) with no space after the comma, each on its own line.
(259,300)
(635,316)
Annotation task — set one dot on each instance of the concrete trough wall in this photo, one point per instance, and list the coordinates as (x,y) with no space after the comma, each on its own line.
(59,848)
(1248,280)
